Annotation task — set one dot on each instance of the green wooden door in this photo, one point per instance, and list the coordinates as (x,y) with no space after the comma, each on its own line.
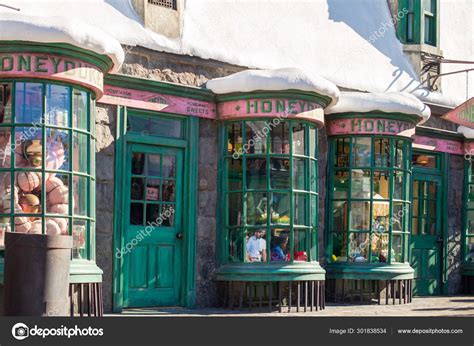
(426,243)
(153,226)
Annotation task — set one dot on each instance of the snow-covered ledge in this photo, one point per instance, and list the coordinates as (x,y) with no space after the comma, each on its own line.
(287,92)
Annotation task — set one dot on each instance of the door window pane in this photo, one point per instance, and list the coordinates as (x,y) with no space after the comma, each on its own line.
(149,125)
(138,163)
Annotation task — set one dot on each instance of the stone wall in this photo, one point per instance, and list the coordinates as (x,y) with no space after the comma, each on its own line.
(206,292)
(166,67)
(105,206)
(455,209)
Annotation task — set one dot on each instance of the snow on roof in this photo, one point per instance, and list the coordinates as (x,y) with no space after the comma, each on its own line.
(354,45)
(58,29)
(395,102)
(466,131)
(279,79)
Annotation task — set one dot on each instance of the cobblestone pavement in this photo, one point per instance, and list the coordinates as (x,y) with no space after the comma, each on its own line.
(427,306)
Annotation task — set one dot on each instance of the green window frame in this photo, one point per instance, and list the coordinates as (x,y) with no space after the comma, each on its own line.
(418,21)
(287,190)
(369,199)
(468,233)
(48,132)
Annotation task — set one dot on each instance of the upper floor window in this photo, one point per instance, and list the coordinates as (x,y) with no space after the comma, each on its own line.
(419,23)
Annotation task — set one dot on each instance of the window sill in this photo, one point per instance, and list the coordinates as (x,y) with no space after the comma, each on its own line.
(368,271)
(422,48)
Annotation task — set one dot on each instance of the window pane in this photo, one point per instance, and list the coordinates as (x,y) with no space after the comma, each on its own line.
(300,245)
(381,185)
(79,144)
(339,247)
(256,173)
(410,26)
(153,165)
(300,211)
(398,218)
(234,174)
(234,139)
(397,248)
(358,247)
(280,139)
(136,213)
(168,215)
(299,139)
(340,216)
(28,103)
(152,188)
(57,225)
(380,216)
(57,194)
(168,191)
(422,160)
(399,155)
(146,125)
(470,222)
(313,142)
(279,246)
(314,175)
(5,103)
(257,208)
(299,174)
(57,105)
(235,210)
(29,152)
(5,146)
(256,140)
(399,183)
(279,173)
(153,213)
(360,183)
(169,166)
(382,152)
(360,212)
(79,236)
(235,245)
(470,249)
(341,152)
(256,245)
(138,188)
(80,195)
(79,109)
(314,211)
(57,149)
(138,163)
(361,152)
(280,208)
(379,248)
(341,185)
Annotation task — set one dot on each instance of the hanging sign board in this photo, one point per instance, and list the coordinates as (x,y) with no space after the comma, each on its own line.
(463,114)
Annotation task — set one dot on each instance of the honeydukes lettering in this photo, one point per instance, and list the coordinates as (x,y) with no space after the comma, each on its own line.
(52,67)
(376,126)
(271,107)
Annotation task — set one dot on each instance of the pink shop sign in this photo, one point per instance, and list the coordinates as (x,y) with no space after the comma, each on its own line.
(271,108)
(370,126)
(158,102)
(441,145)
(53,67)
(463,114)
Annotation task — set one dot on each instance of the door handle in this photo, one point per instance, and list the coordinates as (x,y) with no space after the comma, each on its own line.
(179,235)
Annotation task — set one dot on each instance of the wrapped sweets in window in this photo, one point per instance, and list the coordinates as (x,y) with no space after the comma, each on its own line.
(28,181)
